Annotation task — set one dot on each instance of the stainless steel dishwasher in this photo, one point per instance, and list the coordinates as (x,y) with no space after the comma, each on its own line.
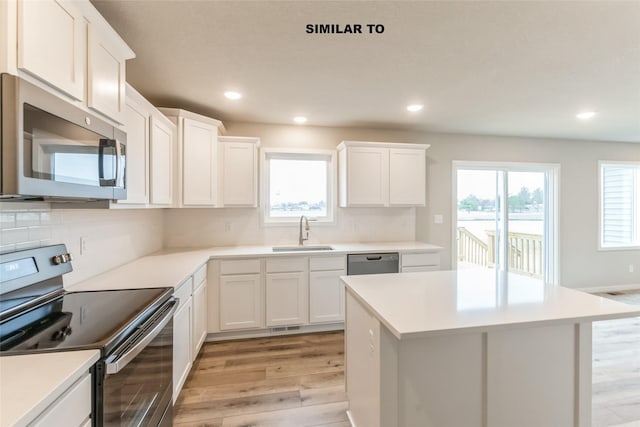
(374,263)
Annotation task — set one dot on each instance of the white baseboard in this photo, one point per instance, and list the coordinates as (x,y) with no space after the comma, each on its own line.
(613,288)
(272,332)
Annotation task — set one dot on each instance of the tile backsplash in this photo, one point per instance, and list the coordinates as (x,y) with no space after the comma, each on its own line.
(113,237)
(230,227)
(24,225)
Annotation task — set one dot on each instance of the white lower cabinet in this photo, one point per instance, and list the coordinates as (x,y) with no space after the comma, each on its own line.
(182,333)
(241,302)
(326,296)
(326,291)
(72,408)
(199,317)
(189,326)
(287,300)
(419,261)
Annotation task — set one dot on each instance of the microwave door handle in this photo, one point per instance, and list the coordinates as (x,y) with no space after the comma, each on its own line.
(106,143)
(120,152)
(118,362)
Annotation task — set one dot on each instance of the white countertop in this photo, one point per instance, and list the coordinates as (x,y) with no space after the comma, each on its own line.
(169,268)
(414,305)
(32,382)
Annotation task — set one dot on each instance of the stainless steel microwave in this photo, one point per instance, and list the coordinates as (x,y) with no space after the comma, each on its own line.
(53,149)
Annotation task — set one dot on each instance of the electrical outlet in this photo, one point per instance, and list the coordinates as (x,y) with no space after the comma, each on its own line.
(438,219)
(227,226)
(84,245)
(631,268)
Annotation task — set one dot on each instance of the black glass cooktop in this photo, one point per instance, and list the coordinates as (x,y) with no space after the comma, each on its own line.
(80,320)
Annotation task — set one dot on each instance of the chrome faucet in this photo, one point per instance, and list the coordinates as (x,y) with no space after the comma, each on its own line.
(306,227)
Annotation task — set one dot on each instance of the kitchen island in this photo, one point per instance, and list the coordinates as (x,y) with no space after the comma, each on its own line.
(469,348)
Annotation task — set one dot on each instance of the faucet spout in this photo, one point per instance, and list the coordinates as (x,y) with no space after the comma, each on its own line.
(301,239)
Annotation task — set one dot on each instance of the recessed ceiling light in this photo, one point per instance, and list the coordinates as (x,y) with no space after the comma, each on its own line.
(586,115)
(300,119)
(230,94)
(415,107)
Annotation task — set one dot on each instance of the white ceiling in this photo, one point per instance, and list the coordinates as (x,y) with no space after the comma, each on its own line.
(501,68)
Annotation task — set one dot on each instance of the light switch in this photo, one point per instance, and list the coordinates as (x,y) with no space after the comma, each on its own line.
(438,219)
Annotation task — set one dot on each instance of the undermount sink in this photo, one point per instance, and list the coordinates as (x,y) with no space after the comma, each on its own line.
(301,248)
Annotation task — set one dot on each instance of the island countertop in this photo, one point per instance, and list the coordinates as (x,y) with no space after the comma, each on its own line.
(413,305)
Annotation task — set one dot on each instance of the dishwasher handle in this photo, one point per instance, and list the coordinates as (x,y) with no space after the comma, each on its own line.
(146,333)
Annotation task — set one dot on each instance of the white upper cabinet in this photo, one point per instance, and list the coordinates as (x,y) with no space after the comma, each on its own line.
(199,143)
(197,158)
(105,74)
(407,177)
(136,121)
(68,46)
(52,44)
(238,171)
(381,174)
(150,146)
(367,172)
(161,153)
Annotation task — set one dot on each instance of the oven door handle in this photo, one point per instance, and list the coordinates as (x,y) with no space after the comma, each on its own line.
(116,362)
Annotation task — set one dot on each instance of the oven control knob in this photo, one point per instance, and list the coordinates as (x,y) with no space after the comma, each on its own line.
(62,334)
(61,259)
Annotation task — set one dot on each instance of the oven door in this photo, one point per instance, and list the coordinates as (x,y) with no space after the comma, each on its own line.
(133,386)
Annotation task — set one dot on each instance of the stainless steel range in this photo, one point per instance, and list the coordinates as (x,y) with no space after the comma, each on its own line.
(132,329)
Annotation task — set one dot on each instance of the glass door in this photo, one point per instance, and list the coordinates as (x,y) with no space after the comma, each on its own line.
(505,218)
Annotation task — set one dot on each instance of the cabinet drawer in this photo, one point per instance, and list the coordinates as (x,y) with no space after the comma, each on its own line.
(240,266)
(326,263)
(183,293)
(418,259)
(70,409)
(281,265)
(200,276)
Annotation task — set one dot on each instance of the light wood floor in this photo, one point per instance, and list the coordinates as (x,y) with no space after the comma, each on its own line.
(299,380)
(616,368)
(280,381)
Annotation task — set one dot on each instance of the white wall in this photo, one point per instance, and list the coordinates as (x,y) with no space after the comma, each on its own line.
(224,227)
(581,264)
(114,237)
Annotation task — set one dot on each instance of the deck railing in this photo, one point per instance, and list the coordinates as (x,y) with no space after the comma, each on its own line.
(471,249)
(525,251)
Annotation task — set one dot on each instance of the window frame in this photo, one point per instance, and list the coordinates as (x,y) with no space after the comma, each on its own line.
(617,247)
(301,154)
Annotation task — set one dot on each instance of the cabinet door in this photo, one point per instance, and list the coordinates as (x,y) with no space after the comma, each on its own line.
(52,44)
(367,176)
(72,408)
(407,177)
(239,179)
(286,299)
(161,162)
(326,296)
(182,334)
(106,76)
(199,318)
(136,120)
(240,302)
(198,168)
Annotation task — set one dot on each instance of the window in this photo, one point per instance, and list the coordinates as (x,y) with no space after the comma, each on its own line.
(298,183)
(619,205)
